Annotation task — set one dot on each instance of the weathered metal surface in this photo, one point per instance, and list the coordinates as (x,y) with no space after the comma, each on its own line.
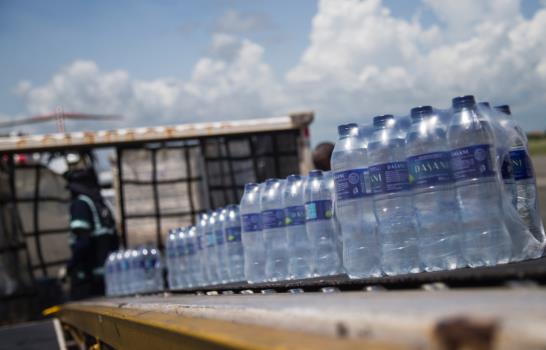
(460,319)
(135,328)
(531,270)
(105,138)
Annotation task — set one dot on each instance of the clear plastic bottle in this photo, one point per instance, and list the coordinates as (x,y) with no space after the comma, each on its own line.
(123,263)
(485,238)
(136,271)
(234,245)
(109,274)
(331,186)
(321,226)
(220,246)
(299,255)
(151,270)
(434,197)
(354,205)
(180,262)
(170,258)
(210,250)
(525,193)
(502,150)
(275,239)
(194,277)
(252,235)
(201,241)
(393,207)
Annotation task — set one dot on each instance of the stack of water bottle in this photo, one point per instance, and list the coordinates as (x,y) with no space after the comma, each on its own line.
(435,190)
(439,190)
(210,252)
(283,229)
(133,271)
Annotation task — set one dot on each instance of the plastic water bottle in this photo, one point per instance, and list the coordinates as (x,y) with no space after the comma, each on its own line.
(252,235)
(170,258)
(354,205)
(331,186)
(299,254)
(201,248)
(234,245)
(136,271)
(393,206)
(434,197)
(525,192)
(181,264)
(194,276)
(210,250)
(502,149)
(123,266)
(321,227)
(151,270)
(485,238)
(109,274)
(220,246)
(275,239)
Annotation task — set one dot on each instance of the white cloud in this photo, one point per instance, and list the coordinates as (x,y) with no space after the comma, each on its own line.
(221,87)
(361,60)
(237,22)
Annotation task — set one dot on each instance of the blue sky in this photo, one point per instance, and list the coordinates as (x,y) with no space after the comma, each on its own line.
(237,59)
(148,39)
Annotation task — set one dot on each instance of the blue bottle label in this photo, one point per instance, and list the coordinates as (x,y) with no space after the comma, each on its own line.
(295,215)
(199,242)
(389,177)
(190,248)
(351,184)
(318,210)
(272,218)
(149,264)
(472,162)
(180,248)
(210,239)
(521,165)
(252,222)
(233,234)
(219,237)
(507,171)
(429,169)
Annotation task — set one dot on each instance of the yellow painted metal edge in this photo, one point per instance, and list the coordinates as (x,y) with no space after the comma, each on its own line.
(125,328)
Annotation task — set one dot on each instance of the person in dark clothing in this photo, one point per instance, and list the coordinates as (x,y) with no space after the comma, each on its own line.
(322,154)
(92,226)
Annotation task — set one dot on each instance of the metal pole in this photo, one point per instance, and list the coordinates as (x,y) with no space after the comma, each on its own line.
(123,223)
(156,200)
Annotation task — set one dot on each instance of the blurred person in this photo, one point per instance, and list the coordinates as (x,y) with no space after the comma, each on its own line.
(92,228)
(322,154)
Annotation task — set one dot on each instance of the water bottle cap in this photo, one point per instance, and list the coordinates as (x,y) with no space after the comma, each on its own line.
(421,112)
(293,177)
(315,173)
(461,102)
(230,207)
(345,129)
(504,109)
(250,186)
(484,104)
(383,120)
(271,181)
